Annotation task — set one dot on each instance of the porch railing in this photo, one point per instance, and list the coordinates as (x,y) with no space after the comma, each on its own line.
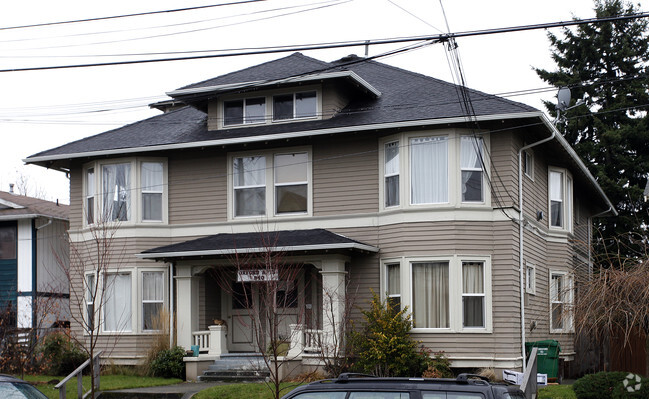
(313,340)
(202,339)
(79,373)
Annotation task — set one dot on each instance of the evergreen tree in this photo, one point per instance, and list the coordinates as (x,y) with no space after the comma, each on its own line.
(605,64)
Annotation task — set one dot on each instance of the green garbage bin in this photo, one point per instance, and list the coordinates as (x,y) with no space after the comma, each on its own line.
(547,357)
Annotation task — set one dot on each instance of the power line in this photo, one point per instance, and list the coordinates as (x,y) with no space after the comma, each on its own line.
(128,15)
(426,38)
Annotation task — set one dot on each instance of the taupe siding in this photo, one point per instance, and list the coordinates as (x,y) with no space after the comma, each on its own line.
(334,99)
(198,187)
(504,170)
(345,176)
(76,198)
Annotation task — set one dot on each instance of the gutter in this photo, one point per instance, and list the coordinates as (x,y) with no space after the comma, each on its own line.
(520,234)
(30,216)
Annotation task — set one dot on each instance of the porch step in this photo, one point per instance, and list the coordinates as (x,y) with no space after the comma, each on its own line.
(237,367)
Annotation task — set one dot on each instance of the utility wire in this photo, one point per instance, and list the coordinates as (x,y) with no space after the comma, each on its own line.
(429,38)
(128,15)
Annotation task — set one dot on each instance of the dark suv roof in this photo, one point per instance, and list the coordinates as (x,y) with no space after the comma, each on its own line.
(416,387)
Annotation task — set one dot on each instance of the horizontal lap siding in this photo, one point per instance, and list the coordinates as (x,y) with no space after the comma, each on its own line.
(345,176)
(504,170)
(76,199)
(197,187)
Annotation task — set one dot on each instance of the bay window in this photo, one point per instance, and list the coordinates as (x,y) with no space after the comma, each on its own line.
(391,172)
(90,292)
(117,302)
(117,192)
(152,189)
(471,169)
(393,284)
(430,293)
(90,195)
(473,294)
(560,198)
(274,184)
(152,300)
(429,170)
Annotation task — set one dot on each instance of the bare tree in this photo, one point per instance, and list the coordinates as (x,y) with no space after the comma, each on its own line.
(95,259)
(267,293)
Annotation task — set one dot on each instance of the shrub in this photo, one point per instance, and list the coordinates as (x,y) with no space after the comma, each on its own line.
(384,346)
(439,367)
(599,385)
(169,363)
(621,392)
(60,354)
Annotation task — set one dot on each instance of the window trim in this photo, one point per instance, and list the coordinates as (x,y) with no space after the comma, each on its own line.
(567,199)
(455,289)
(270,210)
(134,326)
(530,288)
(528,158)
(567,315)
(244,120)
(95,285)
(136,211)
(294,94)
(384,278)
(141,300)
(483,162)
(454,170)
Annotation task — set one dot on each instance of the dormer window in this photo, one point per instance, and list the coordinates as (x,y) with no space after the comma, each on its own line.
(249,110)
(294,106)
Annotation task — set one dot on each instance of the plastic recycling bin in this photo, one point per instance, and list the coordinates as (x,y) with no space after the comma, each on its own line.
(547,356)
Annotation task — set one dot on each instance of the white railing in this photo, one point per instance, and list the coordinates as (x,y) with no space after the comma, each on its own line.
(313,340)
(79,374)
(202,339)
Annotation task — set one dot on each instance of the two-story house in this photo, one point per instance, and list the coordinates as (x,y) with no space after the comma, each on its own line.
(366,175)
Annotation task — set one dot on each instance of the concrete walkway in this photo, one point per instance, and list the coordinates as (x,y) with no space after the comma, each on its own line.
(177,391)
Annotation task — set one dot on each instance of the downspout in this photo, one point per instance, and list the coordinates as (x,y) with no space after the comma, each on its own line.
(520,236)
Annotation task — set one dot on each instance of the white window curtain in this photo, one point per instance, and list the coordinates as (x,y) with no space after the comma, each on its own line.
(471,166)
(393,280)
(249,180)
(392,174)
(152,188)
(556,199)
(152,299)
(473,306)
(430,295)
(291,183)
(117,302)
(117,192)
(429,170)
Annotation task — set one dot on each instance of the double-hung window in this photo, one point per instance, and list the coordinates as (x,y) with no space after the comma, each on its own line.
(249,182)
(560,301)
(471,166)
(391,172)
(430,292)
(117,302)
(116,190)
(291,183)
(152,189)
(248,110)
(429,170)
(90,291)
(152,300)
(90,195)
(560,196)
(294,106)
(473,295)
(393,284)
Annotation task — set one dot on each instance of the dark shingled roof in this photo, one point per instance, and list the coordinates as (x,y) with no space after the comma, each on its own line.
(405,96)
(286,240)
(29,206)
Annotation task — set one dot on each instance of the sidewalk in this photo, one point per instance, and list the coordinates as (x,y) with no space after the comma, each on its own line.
(177,391)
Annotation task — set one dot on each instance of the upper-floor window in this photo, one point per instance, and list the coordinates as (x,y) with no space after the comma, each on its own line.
(294,106)
(527,157)
(471,165)
(560,198)
(429,170)
(8,241)
(247,110)
(271,184)
(391,174)
(133,190)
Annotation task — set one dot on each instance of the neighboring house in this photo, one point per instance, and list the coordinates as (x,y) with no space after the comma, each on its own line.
(34,289)
(367,175)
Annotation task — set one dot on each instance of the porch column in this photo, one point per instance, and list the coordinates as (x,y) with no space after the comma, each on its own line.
(187,309)
(333,297)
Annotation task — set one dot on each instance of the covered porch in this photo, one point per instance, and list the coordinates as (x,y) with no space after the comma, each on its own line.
(237,293)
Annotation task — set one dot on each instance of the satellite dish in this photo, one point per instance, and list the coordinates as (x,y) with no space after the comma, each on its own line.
(563,98)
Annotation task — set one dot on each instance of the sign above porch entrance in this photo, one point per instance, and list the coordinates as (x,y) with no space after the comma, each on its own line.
(257,275)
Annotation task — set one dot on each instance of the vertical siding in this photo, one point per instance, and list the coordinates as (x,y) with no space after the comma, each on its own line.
(345,175)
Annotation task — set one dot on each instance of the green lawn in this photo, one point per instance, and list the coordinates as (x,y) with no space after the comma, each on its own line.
(108,382)
(557,392)
(242,390)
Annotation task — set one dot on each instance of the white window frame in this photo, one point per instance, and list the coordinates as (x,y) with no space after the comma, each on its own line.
(141,299)
(136,210)
(154,190)
(385,275)
(482,295)
(89,298)
(454,170)
(483,182)
(566,199)
(270,209)
(268,96)
(455,289)
(244,118)
(527,157)
(530,283)
(387,175)
(90,212)
(567,315)
(134,312)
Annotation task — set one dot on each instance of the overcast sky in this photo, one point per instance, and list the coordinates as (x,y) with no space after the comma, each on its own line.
(40,110)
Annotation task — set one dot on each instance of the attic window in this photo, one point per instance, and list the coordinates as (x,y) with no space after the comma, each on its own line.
(294,106)
(249,110)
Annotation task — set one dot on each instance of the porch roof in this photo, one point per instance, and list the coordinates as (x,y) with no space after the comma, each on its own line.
(258,242)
